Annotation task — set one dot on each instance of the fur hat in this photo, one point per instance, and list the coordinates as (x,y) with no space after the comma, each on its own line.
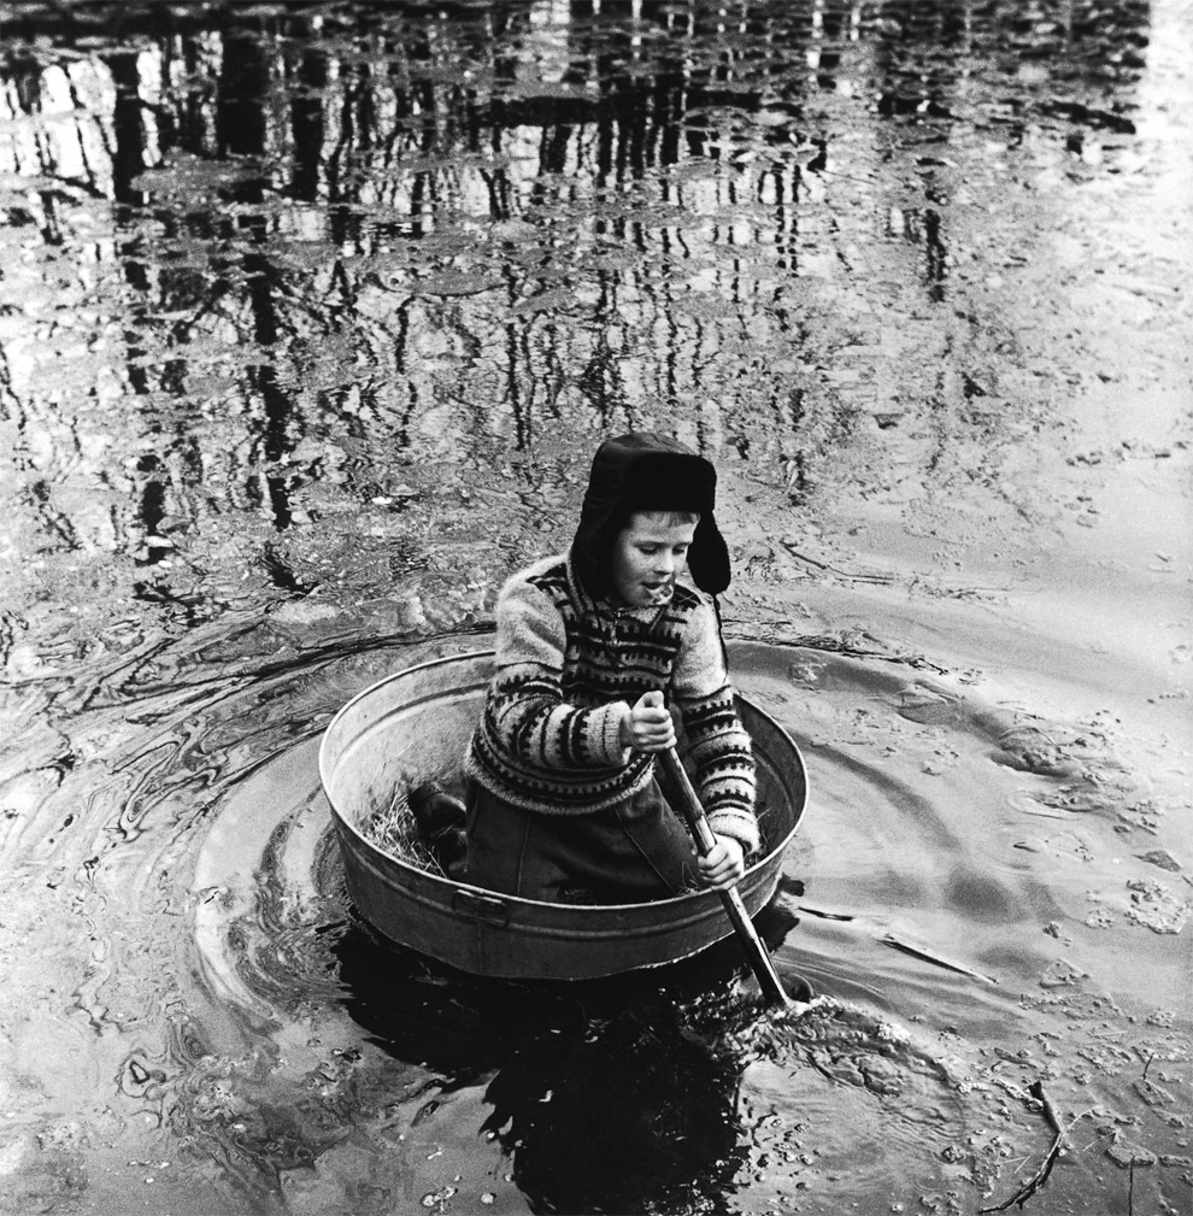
(648,472)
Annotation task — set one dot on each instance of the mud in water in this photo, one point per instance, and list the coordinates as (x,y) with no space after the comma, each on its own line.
(310,317)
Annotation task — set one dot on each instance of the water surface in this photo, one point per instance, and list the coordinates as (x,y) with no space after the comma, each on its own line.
(310,319)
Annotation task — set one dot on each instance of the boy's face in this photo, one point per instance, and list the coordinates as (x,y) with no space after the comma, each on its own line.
(648,554)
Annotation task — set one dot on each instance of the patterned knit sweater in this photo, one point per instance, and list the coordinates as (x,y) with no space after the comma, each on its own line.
(568,670)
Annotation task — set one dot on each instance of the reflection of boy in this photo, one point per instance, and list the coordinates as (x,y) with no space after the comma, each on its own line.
(627,1113)
(563,801)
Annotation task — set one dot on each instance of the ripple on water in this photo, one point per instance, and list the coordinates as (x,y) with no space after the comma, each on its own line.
(307,1063)
(851,1101)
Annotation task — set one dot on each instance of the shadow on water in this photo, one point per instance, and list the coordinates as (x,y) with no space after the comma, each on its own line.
(668,1090)
(605,1096)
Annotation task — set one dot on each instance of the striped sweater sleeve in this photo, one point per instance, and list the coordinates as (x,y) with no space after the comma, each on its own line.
(525,713)
(718,745)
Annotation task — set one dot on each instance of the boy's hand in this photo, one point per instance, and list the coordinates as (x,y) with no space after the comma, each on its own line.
(649,727)
(725,864)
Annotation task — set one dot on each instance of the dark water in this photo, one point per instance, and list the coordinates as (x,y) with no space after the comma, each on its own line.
(310,317)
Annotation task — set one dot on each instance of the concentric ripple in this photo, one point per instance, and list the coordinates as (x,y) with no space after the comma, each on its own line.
(890,1085)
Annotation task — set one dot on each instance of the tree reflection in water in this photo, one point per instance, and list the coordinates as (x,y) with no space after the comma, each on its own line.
(391,252)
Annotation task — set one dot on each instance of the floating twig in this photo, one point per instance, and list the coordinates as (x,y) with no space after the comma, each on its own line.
(930,956)
(840,646)
(858,577)
(1037,1180)
(820,912)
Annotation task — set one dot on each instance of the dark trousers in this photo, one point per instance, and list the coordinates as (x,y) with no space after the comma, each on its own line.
(632,852)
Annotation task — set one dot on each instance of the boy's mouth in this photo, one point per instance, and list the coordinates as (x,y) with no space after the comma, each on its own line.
(658,593)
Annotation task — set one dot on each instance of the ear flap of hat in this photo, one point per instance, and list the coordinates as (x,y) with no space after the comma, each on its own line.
(708,558)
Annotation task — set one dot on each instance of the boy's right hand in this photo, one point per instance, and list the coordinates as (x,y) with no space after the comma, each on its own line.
(649,727)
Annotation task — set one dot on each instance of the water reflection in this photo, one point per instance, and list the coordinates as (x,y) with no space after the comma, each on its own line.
(605,1096)
(305,248)
(308,321)
(633,1117)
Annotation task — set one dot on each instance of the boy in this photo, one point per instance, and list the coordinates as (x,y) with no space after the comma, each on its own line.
(563,801)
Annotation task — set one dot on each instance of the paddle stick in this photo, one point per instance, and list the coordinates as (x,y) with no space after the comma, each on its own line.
(755,950)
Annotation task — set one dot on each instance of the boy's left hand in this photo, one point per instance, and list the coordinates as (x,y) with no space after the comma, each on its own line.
(724,865)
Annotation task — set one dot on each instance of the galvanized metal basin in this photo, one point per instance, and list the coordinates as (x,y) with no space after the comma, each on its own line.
(413,726)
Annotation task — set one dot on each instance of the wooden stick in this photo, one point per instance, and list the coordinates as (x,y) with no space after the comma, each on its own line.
(1037,1180)
(755,951)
